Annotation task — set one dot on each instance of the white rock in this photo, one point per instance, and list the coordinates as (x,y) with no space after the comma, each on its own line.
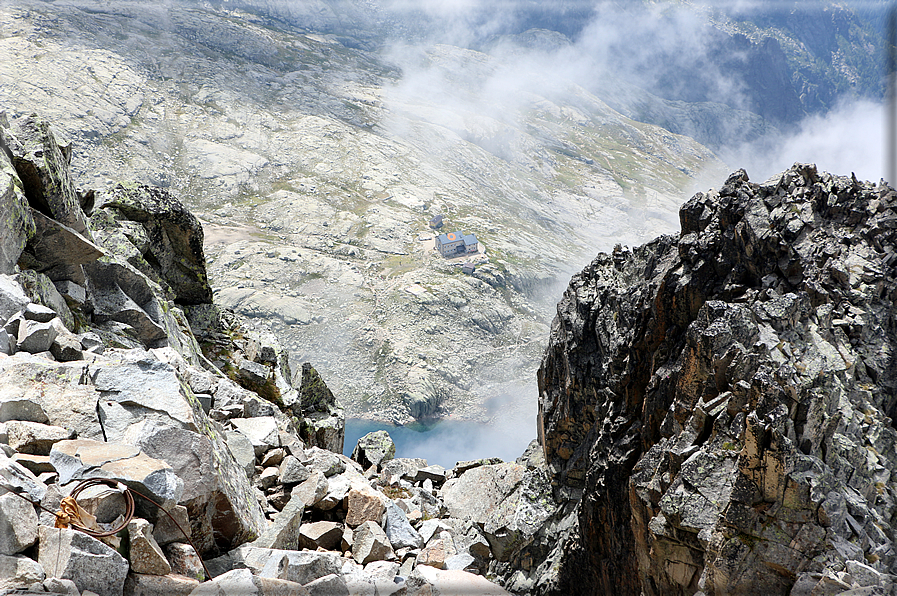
(69,554)
(19,572)
(18,524)
(35,438)
(450,583)
(262,432)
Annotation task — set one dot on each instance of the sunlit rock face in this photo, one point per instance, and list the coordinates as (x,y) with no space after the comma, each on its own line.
(722,402)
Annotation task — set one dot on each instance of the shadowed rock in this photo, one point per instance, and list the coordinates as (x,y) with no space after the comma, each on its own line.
(322,422)
(54,244)
(172,239)
(722,399)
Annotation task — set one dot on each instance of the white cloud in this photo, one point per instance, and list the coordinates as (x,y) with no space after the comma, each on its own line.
(850,138)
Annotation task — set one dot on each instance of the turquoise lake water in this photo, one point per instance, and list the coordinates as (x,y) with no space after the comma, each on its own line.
(447,441)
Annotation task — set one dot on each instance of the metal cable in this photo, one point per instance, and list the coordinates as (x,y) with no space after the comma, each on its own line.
(129,505)
(128,516)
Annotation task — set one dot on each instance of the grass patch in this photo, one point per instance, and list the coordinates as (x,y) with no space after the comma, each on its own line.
(399,264)
(396,492)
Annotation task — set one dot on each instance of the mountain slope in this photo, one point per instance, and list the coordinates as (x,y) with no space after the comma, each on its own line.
(325,163)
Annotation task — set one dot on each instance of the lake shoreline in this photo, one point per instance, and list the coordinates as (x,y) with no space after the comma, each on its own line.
(446,441)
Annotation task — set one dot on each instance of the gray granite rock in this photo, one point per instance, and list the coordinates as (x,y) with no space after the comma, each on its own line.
(36,390)
(18,572)
(188,453)
(283,533)
(322,422)
(136,387)
(144,554)
(324,461)
(242,450)
(74,294)
(239,582)
(481,490)
(262,432)
(56,585)
(432,527)
(255,407)
(253,372)
(399,530)
(159,585)
(370,543)
(329,585)
(166,531)
(449,582)
(66,347)
(35,337)
(461,562)
(41,289)
(16,223)
(55,244)
(37,464)
(82,458)
(91,342)
(435,474)
(321,534)
(12,297)
(7,343)
(374,449)
(402,467)
(69,554)
(35,438)
(42,161)
(14,476)
(301,567)
(720,400)
(313,490)
(267,478)
(174,237)
(184,560)
(18,524)
(38,313)
(292,471)
(122,295)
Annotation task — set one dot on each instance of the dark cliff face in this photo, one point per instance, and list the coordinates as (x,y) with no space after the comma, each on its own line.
(723,402)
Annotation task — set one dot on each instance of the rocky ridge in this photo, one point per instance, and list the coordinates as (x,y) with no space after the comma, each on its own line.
(717,408)
(115,364)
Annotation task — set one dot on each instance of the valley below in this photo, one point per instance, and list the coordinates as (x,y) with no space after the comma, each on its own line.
(316,166)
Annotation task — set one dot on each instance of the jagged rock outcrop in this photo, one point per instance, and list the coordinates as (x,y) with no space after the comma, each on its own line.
(323,421)
(167,241)
(720,405)
(16,223)
(374,449)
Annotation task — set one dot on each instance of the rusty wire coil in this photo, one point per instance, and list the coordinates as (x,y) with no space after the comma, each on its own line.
(129,504)
(128,516)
